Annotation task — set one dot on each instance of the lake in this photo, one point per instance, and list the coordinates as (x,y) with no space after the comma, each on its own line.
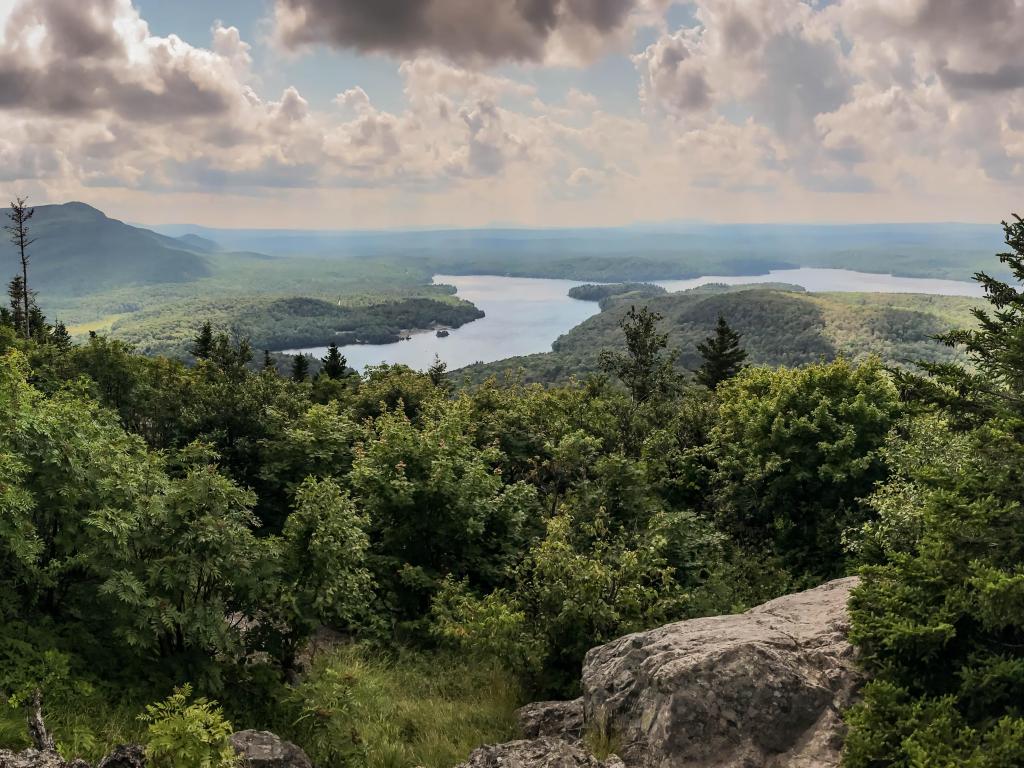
(525,315)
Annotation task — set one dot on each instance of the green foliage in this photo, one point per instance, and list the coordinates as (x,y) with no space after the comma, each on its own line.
(358,708)
(321,576)
(300,368)
(437,505)
(723,356)
(578,587)
(334,363)
(184,734)
(176,599)
(939,617)
(645,369)
(590,292)
(795,452)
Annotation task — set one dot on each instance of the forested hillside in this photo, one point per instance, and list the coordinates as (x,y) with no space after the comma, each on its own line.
(79,251)
(176,534)
(780,325)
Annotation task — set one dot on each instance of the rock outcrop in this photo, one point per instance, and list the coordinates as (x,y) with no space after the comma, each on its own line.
(31,758)
(562,719)
(256,749)
(262,749)
(548,752)
(761,689)
(125,756)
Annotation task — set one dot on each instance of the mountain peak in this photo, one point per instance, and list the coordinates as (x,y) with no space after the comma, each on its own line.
(72,210)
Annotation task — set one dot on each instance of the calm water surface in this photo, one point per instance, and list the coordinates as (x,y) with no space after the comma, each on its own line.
(525,315)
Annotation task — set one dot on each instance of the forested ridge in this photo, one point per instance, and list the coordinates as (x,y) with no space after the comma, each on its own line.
(781,325)
(174,535)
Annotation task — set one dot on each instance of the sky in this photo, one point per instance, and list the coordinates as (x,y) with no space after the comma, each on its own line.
(356,114)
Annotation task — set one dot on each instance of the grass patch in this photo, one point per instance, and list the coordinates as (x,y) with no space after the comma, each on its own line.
(89,728)
(356,707)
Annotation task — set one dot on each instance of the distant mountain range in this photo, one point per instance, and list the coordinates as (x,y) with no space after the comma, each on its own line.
(620,254)
(78,250)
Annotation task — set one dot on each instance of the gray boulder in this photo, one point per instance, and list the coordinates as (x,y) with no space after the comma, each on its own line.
(125,756)
(537,753)
(561,719)
(762,689)
(262,749)
(31,758)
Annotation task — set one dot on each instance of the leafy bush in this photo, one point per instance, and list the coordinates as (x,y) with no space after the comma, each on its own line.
(578,587)
(796,451)
(188,735)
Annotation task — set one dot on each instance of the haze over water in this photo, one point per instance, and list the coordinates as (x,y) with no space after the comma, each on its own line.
(525,315)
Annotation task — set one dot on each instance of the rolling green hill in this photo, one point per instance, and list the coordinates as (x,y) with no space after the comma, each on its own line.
(79,250)
(780,326)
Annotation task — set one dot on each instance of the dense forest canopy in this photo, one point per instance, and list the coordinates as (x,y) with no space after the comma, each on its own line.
(164,524)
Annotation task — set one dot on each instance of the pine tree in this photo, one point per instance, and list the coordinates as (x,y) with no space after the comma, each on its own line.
(300,368)
(437,373)
(60,337)
(723,356)
(19,215)
(335,363)
(16,292)
(37,321)
(202,345)
(268,362)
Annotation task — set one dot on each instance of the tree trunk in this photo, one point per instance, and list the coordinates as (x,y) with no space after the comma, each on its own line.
(41,738)
(25,301)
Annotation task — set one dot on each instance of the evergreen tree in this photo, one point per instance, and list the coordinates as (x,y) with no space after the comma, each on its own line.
(18,231)
(37,321)
(60,337)
(939,624)
(202,345)
(334,363)
(16,292)
(231,356)
(300,368)
(723,356)
(437,372)
(268,361)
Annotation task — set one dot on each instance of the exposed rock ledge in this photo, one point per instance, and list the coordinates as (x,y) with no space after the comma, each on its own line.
(255,749)
(762,689)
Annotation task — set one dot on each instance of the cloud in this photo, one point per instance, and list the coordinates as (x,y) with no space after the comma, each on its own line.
(752,108)
(972,46)
(673,74)
(463,30)
(91,55)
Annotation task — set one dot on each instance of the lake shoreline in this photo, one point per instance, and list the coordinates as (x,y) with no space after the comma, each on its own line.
(526,315)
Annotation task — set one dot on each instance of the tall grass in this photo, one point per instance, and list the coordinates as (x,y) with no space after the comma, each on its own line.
(355,708)
(358,708)
(89,727)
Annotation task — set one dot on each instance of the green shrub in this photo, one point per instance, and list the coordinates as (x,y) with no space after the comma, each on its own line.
(188,735)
